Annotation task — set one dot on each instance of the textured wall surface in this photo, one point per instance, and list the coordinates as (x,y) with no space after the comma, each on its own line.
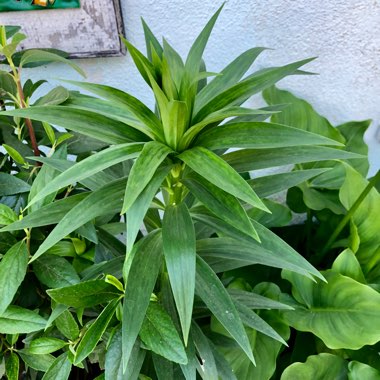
(344,34)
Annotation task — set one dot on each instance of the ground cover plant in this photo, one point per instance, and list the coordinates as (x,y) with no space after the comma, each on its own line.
(159,252)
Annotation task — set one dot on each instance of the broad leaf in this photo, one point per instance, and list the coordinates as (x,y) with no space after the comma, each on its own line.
(317,367)
(92,336)
(218,172)
(42,346)
(67,325)
(13,268)
(84,294)
(17,320)
(10,184)
(178,237)
(360,371)
(60,369)
(343,313)
(140,281)
(159,334)
(7,215)
(217,299)
(37,362)
(12,366)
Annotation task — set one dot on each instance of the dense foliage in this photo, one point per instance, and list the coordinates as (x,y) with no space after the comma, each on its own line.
(160,253)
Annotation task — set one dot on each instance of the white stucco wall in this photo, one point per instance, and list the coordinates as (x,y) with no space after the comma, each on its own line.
(344,34)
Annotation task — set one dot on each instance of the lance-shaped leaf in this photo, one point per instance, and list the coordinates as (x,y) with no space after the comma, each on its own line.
(238,93)
(217,299)
(230,75)
(224,205)
(17,320)
(136,107)
(12,366)
(259,135)
(137,211)
(106,200)
(13,268)
(272,184)
(88,123)
(49,214)
(151,41)
(84,294)
(60,368)
(150,158)
(343,313)
(94,333)
(89,166)
(178,237)
(10,184)
(253,159)
(159,334)
(140,283)
(42,346)
(218,172)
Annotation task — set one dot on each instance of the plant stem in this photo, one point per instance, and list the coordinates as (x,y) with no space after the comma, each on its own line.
(349,214)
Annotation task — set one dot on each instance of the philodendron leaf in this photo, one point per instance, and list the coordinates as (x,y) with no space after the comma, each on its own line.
(348,265)
(60,369)
(218,172)
(140,278)
(318,367)
(160,335)
(84,294)
(342,312)
(178,237)
(13,268)
(360,371)
(92,336)
(17,320)
(150,158)
(215,296)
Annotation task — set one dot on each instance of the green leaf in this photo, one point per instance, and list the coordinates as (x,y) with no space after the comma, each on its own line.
(103,201)
(178,237)
(137,211)
(160,335)
(42,346)
(60,369)
(51,213)
(10,184)
(85,122)
(37,362)
(224,205)
(208,369)
(55,272)
(16,156)
(84,294)
(53,98)
(149,121)
(230,75)
(300,114)
(217,299)
(343,313)
(17,320)
(367,223)
(253,159)
(90,166)
(151,41)
(219,173)
(259,135)
(92,336)
(272,184)
(35,55)
(67,325)
(240,92)
(140,281)
(13,268)
(7,215)
(348,265)
(317,367)
(114,361)
(12,366)
(280,214)
(150,158)
(360,371)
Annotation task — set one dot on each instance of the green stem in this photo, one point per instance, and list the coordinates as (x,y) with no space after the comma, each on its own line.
(349,214)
